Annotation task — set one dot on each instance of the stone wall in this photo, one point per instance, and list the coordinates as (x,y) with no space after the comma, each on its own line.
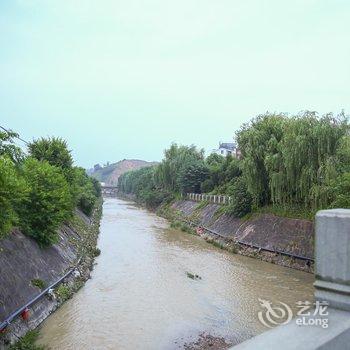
(22,261)
(293,236)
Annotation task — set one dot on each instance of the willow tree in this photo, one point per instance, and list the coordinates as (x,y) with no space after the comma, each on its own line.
(295,160)
(170,171)
(259,144)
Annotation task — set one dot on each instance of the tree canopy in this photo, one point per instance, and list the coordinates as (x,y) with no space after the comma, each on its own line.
(39,192)
(300,161)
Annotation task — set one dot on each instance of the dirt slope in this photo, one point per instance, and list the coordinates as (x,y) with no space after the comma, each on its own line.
(111,173)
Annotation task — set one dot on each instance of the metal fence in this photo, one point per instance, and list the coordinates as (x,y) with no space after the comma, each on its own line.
(210,198)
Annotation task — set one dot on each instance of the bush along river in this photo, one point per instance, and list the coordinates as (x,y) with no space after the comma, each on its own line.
(154,287)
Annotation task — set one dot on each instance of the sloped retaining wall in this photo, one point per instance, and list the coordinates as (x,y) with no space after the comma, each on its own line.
(22,261)
(267,231)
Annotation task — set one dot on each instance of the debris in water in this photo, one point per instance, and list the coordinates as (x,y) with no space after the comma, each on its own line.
(193,276)
(207,341)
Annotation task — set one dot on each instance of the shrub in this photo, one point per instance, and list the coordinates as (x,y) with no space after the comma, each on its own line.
(207,186)
(86,201)
(63,292)
(85,191)
(27,342)
(242,200)
(96,252)
(154,198)
(191,177)
(48,203)
(36,282)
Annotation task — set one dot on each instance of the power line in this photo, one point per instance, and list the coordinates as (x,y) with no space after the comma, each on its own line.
(17,137)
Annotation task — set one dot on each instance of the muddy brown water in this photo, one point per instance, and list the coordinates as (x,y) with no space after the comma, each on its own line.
(140,296)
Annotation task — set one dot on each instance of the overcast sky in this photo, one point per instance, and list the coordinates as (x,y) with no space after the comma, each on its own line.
(124,79)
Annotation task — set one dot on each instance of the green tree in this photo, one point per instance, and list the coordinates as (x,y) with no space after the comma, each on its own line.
(84,190)
(48,203)
(341,191)
(222,171)
(12,192)
(8,147)
(176,159)
(192,176)
(55,151)
(214,159)
(292,161)
(242,200)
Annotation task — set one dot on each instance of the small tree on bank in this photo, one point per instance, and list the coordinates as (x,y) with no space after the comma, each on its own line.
(48,203)
(242,199)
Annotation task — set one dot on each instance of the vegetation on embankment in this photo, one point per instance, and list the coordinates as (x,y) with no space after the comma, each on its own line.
(40,191)
(283,241)
(291,166)
(27,342)
(75,249)
(41,228)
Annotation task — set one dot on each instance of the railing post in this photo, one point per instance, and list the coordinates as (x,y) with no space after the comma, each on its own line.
(332,255)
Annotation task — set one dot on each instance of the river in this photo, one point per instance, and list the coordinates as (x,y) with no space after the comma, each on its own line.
(140,295)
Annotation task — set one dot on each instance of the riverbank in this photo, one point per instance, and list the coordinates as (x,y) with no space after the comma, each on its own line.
(27,271)
(279,240)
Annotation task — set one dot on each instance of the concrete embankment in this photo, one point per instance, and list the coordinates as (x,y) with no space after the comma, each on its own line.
(284,241)
(26,270)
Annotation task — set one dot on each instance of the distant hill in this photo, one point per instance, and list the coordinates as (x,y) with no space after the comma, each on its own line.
(110,174)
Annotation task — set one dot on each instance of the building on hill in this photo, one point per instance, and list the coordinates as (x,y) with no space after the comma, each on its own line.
(227,148)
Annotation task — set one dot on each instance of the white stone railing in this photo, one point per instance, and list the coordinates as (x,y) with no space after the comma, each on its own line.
(332,286)
(210,198)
